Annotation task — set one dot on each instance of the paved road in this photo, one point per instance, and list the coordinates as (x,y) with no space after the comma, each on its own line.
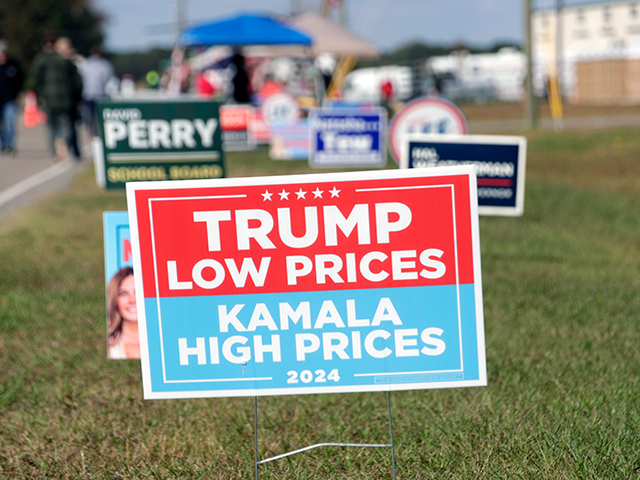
(32,174)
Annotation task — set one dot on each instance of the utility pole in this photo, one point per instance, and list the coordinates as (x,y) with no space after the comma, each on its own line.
(181,17)
(530,109)
(295,7)
(343,14)
(327,10)
(559,44)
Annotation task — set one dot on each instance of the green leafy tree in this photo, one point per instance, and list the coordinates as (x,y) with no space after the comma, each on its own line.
(24,23)
(139,63)
(416,52)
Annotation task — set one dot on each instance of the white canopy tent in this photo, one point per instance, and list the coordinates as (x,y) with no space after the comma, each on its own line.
(327,38)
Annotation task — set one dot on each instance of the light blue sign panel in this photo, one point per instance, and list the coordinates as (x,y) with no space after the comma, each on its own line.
(117,243)
(424,345)
(289,141)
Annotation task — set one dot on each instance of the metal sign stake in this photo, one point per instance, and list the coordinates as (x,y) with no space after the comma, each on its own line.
(393,452)
(255,430)
(311,447)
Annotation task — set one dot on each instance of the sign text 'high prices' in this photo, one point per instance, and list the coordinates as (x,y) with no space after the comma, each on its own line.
(309,284)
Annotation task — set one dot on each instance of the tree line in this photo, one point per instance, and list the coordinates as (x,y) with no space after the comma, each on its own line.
(24,23)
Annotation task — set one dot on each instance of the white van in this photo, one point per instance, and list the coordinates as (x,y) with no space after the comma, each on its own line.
(364,85)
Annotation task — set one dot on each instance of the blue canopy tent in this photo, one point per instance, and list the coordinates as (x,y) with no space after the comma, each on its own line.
(245,29)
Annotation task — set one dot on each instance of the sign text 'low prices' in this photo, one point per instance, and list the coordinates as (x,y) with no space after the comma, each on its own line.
(365,281)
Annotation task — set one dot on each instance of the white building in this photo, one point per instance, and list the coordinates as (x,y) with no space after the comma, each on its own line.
(464,77)
(586,32)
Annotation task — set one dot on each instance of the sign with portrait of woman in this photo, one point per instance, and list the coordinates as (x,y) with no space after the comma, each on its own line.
(122,314)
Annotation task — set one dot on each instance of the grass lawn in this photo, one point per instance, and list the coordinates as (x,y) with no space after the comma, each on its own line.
(502,111)
(561,299)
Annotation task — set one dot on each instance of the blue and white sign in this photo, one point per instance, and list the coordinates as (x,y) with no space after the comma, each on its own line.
(117,242)
(346,137)
(289,141)
(500,163)
(308,283)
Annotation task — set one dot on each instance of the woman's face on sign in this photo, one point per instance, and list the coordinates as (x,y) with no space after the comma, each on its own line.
(127,300)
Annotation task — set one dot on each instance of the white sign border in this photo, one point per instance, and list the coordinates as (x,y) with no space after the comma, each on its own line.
(132,187)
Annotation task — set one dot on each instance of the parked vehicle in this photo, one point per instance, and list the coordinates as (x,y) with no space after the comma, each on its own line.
(365,84)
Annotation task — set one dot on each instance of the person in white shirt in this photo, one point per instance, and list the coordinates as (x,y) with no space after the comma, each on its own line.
(97,73)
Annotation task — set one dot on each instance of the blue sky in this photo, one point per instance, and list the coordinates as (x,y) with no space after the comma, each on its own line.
(385,23)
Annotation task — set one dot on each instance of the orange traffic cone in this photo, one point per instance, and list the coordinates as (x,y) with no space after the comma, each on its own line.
(32,116)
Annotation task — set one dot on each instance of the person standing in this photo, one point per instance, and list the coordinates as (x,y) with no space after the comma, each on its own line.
(241,83)
(96,72)
(11,80)
(65,49)
(58,86)
(240,76)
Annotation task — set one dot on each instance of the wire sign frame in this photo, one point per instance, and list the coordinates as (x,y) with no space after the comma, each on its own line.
(390,445)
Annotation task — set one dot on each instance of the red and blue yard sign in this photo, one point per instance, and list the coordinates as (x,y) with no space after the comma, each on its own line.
(500,163)
(364,281)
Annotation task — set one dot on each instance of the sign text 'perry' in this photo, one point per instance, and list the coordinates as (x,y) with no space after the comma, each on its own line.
(160,140)
(309,284)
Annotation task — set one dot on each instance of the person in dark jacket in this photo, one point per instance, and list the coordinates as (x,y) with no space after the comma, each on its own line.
(65,49)
(240,80)
(241,84)
(11,80)
(58,86)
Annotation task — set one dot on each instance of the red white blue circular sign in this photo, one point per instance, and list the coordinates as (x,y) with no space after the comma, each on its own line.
(280,107)
(425,115)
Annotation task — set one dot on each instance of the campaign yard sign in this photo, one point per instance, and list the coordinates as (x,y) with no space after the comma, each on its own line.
(289,141)
(346,137)
(117,257)
(365,281)
(500,163)
(234,121)
(117,242)
(433,115)
(160,140)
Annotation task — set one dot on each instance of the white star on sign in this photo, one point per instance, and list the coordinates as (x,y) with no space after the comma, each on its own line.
(284,195)
(266,195)
(334,192)
(300,194)
(317,193)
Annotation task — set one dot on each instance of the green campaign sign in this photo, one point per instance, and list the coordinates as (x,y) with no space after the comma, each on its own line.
(160,139)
